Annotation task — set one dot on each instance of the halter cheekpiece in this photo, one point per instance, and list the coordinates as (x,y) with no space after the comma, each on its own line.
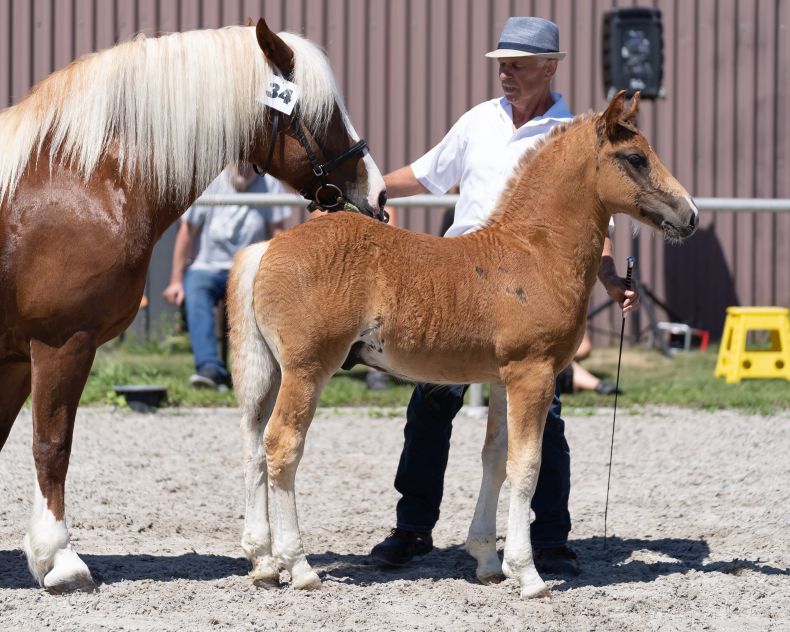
(322,194)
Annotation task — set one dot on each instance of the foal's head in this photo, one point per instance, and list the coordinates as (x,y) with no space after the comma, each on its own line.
(330,165)
(631,178)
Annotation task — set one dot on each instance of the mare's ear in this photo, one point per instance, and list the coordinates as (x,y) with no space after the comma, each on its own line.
(277,51)
(633,112)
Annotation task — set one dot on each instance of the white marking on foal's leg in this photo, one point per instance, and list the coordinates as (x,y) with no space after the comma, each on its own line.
(287,541)
(49,554)
(481,541)
(518,562)
(256,539)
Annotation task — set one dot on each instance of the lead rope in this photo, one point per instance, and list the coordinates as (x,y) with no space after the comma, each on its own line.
(630,267)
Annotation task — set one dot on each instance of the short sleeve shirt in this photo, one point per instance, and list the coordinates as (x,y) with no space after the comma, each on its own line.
(224,230)
(480,153)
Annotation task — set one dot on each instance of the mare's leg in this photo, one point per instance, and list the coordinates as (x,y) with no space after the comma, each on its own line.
(481,541)
(284,440)
(529,394)
(14,389)
(58,377)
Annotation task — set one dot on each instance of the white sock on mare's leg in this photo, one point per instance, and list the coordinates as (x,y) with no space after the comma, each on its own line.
(49,554)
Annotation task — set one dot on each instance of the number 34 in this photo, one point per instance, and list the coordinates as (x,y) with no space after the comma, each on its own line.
(274,93)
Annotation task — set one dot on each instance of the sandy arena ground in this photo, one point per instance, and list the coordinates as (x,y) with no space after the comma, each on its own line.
(699,523)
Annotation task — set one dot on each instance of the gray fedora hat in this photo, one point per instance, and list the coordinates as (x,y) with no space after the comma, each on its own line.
(529,37)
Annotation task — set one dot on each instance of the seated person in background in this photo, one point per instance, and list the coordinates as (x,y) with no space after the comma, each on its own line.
(576,378)
(208,237)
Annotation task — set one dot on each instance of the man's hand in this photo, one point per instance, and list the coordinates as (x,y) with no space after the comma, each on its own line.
(174,293)
(628,300)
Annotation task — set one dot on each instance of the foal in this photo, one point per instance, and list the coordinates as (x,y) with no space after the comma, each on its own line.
(504,305)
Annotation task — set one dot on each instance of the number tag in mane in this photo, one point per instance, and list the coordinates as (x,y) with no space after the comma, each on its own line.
(281,95)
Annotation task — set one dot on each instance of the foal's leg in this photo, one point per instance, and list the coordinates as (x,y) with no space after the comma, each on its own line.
(14,389)
(481,541)
(256,401)
(529,394)
(284,440)
(256,379)
(58,377)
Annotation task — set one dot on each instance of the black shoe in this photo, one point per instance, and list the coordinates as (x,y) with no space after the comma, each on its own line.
(605,387)
(210,377)
(560,560)
(401,546)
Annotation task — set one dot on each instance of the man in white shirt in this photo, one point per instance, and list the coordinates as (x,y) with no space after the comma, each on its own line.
(219,233)
(479,153)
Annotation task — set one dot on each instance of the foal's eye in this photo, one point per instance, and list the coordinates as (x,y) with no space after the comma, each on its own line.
(637,160)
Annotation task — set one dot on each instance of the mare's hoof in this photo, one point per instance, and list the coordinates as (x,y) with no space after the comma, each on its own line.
(69,574)
(59,584)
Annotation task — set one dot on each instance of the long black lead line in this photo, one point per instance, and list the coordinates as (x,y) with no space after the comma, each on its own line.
(630,267)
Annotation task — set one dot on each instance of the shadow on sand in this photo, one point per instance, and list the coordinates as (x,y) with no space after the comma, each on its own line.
(618,563)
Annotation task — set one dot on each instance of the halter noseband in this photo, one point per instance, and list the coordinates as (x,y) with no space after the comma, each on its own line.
(320,170)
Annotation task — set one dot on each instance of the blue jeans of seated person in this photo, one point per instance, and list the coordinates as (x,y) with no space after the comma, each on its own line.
(420,477)
(202,290)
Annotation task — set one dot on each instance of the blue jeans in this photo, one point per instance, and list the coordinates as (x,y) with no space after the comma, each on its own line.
(420,477)
(202,290)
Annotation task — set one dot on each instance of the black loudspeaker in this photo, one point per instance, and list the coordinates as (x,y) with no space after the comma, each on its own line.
(633,52)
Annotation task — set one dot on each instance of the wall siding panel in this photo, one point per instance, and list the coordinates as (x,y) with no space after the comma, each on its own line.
(409,68)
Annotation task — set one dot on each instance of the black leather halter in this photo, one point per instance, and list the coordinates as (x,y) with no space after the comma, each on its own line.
(322,194)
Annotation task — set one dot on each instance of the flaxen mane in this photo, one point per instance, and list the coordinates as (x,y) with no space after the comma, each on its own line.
(180,107)
(509,193)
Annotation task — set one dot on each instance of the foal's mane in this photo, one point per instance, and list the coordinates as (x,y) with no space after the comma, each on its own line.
(177,108)
(508,196)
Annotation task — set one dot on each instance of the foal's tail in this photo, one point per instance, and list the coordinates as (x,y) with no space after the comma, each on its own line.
(254,365)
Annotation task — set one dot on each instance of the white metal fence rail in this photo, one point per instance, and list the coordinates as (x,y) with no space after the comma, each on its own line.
(762,205)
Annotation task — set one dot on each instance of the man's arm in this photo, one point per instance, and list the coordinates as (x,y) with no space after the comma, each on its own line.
(628,300)
(183,250)
(403,183)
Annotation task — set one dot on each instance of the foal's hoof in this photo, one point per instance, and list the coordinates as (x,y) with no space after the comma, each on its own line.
(307,581)
(532,585)
(264,576)
(534,589)
(488,579)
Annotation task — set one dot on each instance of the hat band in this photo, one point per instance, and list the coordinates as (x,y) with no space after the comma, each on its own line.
(524,47)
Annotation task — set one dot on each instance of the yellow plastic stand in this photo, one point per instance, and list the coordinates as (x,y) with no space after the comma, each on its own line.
(735,362)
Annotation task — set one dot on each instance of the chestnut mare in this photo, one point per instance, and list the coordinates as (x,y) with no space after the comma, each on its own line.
(504,305)
(97,162)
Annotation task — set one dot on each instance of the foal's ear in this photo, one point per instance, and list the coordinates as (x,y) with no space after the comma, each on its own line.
(615,125)
(276,50)
(633,112)
(611,118)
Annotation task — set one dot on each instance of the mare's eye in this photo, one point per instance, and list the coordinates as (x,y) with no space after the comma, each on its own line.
(637,160)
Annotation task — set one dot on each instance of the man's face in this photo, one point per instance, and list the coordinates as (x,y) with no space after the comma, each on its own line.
(522,77)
